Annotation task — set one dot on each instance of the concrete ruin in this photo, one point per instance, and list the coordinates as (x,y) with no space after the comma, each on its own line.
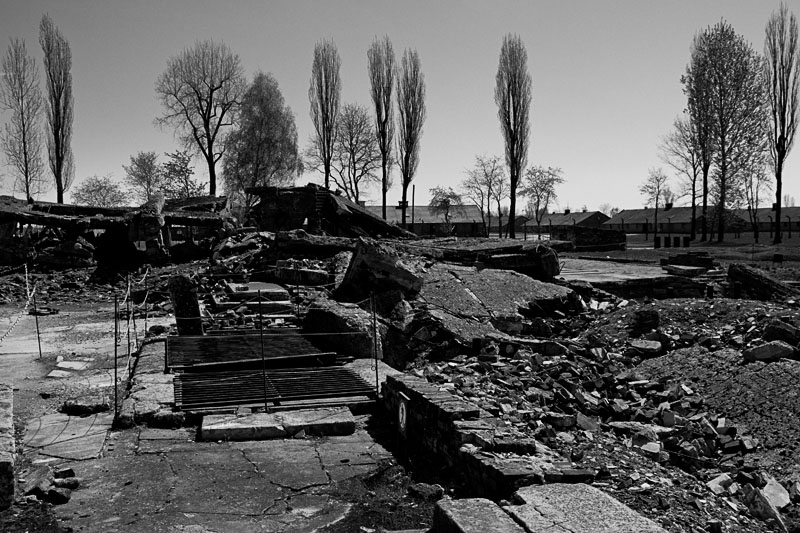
(67,236)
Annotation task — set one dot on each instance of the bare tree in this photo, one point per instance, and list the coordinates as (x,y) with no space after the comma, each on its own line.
(200,92)
(734,74)
(446,202)
(498,194)
(58,78)
(22,139)
(99,192)
(756,182)
(512,94)
(788,200)
(481,181)
(380,58)
(680,150)
(782,73)
(697,88)
(539,184)
(324,94)
(144,176)
(356,156)
(411,107)
(653,190)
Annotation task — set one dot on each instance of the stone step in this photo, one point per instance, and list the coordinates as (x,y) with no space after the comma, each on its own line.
(262,426)
(472,515)
(576,508)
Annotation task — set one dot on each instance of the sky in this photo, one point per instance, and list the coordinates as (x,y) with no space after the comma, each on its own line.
(605,74)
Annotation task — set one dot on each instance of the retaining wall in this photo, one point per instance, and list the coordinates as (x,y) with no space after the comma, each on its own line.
(6,446)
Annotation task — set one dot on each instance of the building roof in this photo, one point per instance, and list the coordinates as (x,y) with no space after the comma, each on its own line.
(683,215)
(678,215)
(563,219)
(424,215)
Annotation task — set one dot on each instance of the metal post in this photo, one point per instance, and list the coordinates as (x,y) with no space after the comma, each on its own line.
(36,317)
(263,360)
(375,343)
(146,296)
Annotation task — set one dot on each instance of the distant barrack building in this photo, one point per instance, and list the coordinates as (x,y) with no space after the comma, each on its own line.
(678,220)
(465,221)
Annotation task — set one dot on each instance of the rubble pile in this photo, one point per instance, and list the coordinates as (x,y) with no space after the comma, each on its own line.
(633,417)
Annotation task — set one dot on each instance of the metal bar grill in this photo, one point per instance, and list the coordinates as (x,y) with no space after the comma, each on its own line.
(222,389)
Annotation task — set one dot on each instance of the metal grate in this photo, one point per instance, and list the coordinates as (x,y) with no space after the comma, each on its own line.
(222,389)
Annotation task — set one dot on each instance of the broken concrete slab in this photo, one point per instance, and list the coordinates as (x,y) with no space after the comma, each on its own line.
(375,268)
(576,508)
(59,374)
(68,437)
(472,515)
(778,330)
(349,327)
(776,493)
(7,447)
(86,404)
(771,351)
(263,426)
(755,283)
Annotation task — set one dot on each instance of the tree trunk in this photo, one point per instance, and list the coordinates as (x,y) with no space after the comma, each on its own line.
(704,236)
(383,188)
(403,208)
(778,189)
(512,208)
(693,228)
(212,175)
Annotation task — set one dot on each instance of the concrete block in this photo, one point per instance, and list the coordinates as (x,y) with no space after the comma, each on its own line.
(576,508)
(6,446)
(472,515)
(332,421)
(771,351)
(263,426)
(257,426)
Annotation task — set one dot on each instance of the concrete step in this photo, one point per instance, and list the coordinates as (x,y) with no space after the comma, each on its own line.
(576,508)
(262,426)
(473,515)
(555,508)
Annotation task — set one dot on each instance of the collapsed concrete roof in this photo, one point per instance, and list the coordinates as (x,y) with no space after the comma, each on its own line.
(318,210)
(67,216)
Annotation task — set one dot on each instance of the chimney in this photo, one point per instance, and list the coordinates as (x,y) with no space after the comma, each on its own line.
(362,203)
(566,211)
(400,204)
(667,206)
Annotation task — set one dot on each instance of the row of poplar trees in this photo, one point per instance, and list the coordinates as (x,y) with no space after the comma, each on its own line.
(22,139)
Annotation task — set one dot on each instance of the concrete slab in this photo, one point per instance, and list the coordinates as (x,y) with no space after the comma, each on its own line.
(577,508)
(256,426)
(72,365)
(365,369)
(68,437)
(59,374)
(474,515)
(262,426)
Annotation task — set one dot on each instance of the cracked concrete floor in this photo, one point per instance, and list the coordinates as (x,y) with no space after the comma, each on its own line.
(161,480)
